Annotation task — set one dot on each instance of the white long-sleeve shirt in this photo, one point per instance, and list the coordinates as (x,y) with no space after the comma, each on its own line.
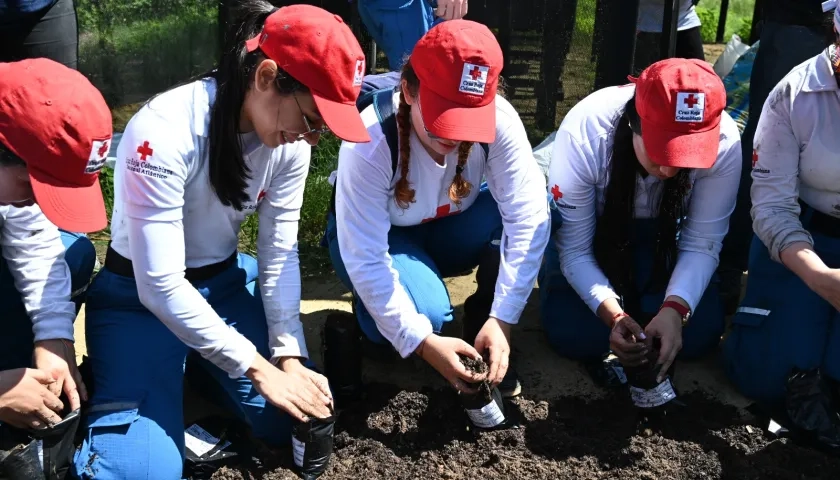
(796,150)
(365,211)
(34,255)
(167,218)
(578,177)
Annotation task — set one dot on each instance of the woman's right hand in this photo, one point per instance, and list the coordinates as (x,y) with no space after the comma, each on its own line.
(827,285)
(294,394)
(442,354)
(627,342)
(26,400)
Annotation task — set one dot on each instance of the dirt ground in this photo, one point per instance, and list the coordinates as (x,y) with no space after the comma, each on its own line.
(411,426)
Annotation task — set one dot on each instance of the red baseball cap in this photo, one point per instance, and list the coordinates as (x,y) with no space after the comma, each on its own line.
(458,64)
(680,102)
(59,124)
(318,49)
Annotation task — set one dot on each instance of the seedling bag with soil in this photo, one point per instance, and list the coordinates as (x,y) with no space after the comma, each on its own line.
(42,454)
(312,444)
(484,408)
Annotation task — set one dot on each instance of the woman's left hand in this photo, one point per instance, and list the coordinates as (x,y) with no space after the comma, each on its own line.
(58,359)
(667,326)
(293,366)
(494,339)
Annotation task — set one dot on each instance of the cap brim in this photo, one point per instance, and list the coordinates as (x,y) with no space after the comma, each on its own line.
(343,120)
(454,121)
(74,209)
(680,149)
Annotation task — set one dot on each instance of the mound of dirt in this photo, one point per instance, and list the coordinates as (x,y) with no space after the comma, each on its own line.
(398,434)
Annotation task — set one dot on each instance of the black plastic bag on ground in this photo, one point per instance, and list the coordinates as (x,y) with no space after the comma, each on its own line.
(215,442)
(812,408)
(312,444)
(342,352)
(38,454)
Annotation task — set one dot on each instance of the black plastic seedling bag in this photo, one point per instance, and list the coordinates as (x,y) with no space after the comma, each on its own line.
(812,408)
(312,444)
(212,443)
(42,454)
(645,391)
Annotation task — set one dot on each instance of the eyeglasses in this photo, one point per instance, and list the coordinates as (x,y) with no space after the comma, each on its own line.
(309,129)
(431,135)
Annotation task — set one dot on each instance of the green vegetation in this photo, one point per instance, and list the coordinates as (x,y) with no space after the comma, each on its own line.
(738,19)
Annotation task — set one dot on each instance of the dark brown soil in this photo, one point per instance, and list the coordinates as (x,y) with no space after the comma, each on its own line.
(398,434)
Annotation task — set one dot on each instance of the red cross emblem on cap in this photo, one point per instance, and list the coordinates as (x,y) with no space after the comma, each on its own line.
(475,73)
(691,101)
(103,149)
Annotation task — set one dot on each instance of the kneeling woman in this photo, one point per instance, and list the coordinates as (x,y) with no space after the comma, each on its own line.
(401,224)
(644,177)
(192,164)
(789,316)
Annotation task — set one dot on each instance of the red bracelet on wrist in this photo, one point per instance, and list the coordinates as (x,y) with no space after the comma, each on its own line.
(618,316)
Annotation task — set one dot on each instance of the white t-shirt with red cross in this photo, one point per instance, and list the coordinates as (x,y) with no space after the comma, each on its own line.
(365,211)
(578,177)
(167,217)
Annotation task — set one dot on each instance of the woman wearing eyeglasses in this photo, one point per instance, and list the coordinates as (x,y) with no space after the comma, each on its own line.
(192,164)
(403,222)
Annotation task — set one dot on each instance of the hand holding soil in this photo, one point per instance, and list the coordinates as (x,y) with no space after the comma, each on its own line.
(58,358)
(26,400)
(493,340)
(444,355)
(627,342)
(666,326)
(297,396)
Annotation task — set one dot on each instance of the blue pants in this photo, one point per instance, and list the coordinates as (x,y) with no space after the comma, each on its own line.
(574,331)
(782,48)
(135,425)
(16,342)
(396,25)
(424,254)
(781,324)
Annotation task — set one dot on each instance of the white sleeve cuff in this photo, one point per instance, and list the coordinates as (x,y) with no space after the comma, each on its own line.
(794,236)
(411,335)
(690,299)
(236,357)
(506,309)
(288,344)
(53,327)
(598,294)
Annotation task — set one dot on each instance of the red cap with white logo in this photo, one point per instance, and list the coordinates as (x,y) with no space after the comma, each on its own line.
(59,124)
(458,64)
(318,49)
(680,102)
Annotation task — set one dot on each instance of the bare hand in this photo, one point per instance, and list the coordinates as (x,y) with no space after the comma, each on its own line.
(58,359)
(494,339)
(294,394)
(627,342)
(294,367)
(25,399)
(667,326)
(451,9)
(442,354)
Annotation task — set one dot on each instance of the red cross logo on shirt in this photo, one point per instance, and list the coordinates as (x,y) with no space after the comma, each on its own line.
(442,211)
(754,158)
(359,67)
(260,196)
(556,193)
(691,101)
(103,149)
(475,73)
(144,151)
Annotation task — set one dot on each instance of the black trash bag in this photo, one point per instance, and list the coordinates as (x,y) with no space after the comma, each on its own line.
(812,408)
(215,442)
(39,454)
(312,444)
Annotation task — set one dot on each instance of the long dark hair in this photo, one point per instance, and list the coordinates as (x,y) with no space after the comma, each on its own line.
(228,172)
(614,231)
